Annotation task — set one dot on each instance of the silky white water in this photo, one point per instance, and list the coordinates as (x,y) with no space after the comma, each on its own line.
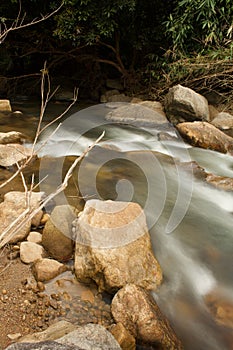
(190,222)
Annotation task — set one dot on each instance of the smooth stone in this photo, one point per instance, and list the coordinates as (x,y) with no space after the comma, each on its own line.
(46,269)
(35,237)
(30,252)
(183,104)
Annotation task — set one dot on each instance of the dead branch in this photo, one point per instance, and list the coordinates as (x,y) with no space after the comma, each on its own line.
(19,22)
(27,214)
(45,98)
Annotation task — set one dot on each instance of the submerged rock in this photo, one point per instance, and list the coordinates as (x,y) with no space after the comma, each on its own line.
(222,182)
(140,314)
(205,135)
(113,246)
(184,104)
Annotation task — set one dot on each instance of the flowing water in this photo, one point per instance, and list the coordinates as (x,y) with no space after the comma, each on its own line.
(190,221)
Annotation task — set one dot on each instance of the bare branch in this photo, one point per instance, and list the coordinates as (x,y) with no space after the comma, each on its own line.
(19,22)
(27,215)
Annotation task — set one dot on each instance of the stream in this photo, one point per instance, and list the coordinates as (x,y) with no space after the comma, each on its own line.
(190,221)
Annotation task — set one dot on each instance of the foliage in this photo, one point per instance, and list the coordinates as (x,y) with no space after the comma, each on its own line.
(196,25)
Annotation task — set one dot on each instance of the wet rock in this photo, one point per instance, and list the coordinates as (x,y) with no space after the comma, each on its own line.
(46,269)
(53,332)
(56,238)
(221,308)
(141,316)
(136,114)
(30,252)
(46,345)
(222,182)
(13,153)
(5,106)
(205,135)
(113,246)
(35,237)
(91,336)
(11,208)
(12,137)
(123,337)
(184,104)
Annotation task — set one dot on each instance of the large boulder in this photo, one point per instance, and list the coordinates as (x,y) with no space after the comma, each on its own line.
(137,115)
(12,137)
(139,313)
(14,204)
(183,104)
(56,238)
(89,337)
(113,246)
(205,135)
(13,153)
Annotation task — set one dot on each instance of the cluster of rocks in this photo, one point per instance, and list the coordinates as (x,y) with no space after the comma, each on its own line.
(111,246)
(108,241)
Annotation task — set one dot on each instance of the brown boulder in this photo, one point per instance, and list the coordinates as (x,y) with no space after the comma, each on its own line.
(205,135)
(56,238)
(139,313)
(113,246)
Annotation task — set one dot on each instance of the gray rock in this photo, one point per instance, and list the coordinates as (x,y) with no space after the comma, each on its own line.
(91,336)
(136,114)
(183,104)
(113,246)
(224,122)
(45,345)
